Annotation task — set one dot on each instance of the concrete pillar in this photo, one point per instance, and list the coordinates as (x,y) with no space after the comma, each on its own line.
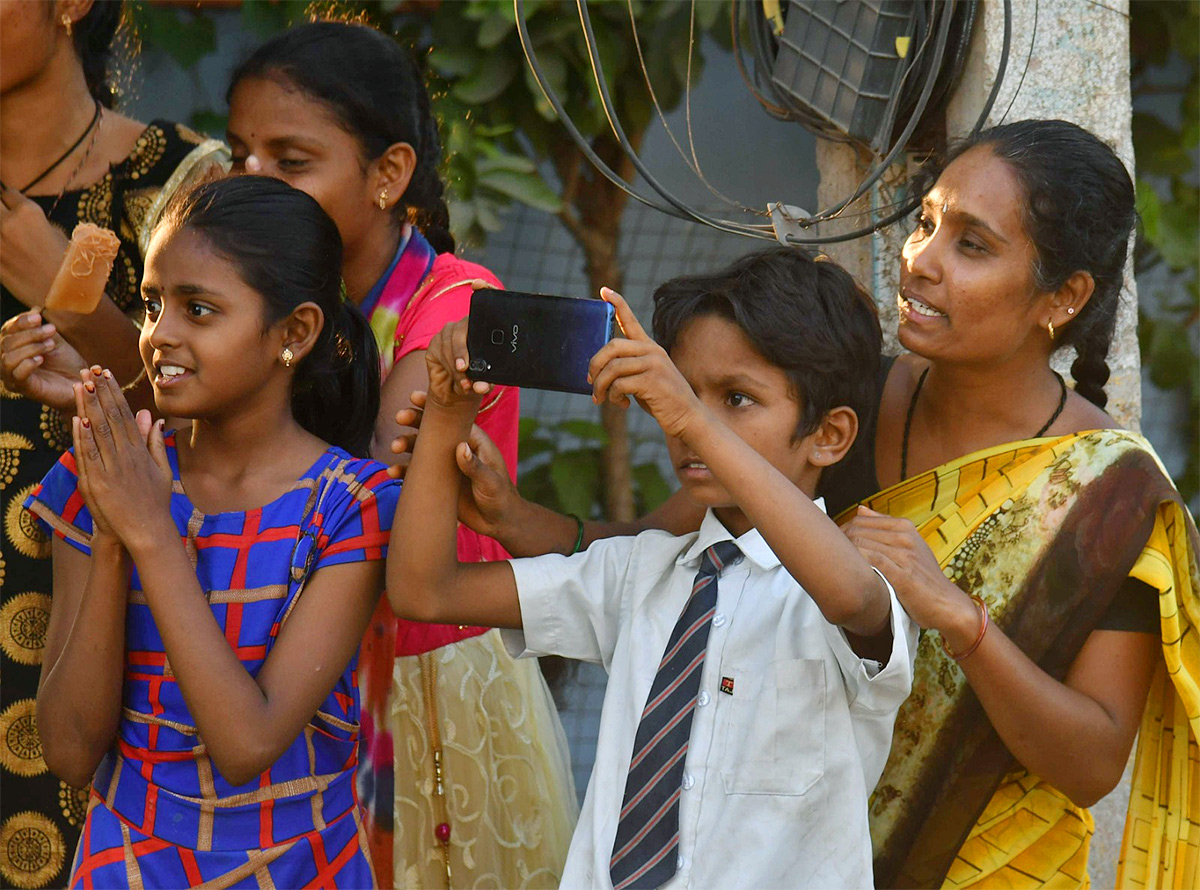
(1067,59)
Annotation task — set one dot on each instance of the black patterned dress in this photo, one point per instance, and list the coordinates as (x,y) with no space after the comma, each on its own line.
(40,815)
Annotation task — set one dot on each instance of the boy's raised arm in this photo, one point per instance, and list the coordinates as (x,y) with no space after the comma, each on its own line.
(808,543)
(425,581)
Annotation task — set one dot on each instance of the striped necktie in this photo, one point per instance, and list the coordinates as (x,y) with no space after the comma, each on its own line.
(646,848)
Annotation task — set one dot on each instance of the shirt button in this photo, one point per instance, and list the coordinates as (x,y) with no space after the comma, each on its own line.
(703,698)
(678,863)
(688,781)
(719,619)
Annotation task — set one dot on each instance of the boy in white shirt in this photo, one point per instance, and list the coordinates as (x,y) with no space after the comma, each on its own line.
(745,723)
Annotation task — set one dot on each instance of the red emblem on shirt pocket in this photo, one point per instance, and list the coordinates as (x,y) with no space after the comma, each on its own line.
(727,685)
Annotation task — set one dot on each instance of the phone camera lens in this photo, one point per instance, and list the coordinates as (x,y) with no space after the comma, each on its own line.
(497,337)
(478,364)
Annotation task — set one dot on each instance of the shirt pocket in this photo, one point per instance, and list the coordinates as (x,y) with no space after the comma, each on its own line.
(775,733)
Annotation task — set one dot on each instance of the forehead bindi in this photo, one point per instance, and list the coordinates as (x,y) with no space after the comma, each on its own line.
(266,110)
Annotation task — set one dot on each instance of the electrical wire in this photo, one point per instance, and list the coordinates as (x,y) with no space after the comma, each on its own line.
(760,39)
(630,152)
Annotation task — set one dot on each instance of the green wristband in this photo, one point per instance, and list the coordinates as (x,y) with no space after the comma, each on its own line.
(579,537)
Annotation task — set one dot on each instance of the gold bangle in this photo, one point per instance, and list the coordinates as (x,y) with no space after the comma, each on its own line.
(983,626)
(135,381)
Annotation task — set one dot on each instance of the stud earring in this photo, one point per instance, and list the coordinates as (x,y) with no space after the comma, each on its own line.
(1070,310)
(67,23)
(286,357)
(383,200)
(1050,328)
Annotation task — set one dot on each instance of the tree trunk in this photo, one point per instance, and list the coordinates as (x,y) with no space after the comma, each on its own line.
(592,213)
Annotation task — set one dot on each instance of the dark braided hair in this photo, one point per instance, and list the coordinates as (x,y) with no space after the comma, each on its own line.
(1079,211)
(375,89)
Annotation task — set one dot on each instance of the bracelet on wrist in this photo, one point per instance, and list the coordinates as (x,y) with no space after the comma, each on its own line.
(578,537)
(983,626)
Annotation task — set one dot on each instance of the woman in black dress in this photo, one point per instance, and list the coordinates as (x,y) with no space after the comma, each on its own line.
(67,158)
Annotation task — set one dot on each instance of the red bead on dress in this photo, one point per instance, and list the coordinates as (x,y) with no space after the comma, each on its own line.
(442,832)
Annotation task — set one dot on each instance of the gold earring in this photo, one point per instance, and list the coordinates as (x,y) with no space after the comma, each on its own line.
(1050,328)
(383,200)
(67,23)
(287,355)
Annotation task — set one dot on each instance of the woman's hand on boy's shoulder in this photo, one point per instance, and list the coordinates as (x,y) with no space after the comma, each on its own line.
(446,360)
(637,367)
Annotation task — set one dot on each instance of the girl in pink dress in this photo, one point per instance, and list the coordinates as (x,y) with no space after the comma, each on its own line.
(465,771)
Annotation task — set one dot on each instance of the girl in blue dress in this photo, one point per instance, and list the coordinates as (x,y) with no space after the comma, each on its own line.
(211,585)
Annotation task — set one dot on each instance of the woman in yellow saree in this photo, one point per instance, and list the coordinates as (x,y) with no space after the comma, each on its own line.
(1039,559)
(1045,531)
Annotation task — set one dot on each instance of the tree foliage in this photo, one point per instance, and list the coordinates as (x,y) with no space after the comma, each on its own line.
(1165,49)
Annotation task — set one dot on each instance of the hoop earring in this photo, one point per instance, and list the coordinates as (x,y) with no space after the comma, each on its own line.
(67,23)
(286,357)
(1050,328)
(383,200)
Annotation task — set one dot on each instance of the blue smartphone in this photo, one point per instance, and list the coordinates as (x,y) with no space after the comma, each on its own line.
(535,340)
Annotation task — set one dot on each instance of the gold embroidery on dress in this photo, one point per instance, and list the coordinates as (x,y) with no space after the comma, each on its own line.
(34,850)
(11,446)
(24,620)
(55,430)
(20,528)
(20,746)
(72,802)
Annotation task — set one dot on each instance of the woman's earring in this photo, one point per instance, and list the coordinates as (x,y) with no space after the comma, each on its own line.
(383,200)
(1070,310)
(286,356)
(1050,328)
(67,23)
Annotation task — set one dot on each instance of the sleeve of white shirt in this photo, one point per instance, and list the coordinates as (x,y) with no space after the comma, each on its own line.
(571,605)
(870,688)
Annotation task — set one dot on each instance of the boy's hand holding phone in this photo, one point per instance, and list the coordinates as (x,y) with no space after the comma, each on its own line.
(446,359)
(637,367)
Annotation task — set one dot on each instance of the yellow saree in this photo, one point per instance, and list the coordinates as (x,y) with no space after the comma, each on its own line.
(1045,531)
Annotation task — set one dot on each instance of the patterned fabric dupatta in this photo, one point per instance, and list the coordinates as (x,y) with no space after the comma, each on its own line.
(1045,531)
(387,300)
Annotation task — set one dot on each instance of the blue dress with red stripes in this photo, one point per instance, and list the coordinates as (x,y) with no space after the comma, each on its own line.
(160,813)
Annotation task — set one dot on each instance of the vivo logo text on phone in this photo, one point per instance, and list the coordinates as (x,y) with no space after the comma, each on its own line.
(514,339)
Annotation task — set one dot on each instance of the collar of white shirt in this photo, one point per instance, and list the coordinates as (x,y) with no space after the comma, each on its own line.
(752,544)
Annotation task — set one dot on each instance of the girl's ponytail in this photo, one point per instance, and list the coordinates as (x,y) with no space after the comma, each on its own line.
(288,250)
(336,391)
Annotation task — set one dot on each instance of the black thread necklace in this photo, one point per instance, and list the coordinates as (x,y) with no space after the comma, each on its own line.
(66,154)
(912,406)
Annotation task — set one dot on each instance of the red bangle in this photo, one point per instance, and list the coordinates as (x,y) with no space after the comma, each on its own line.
(983,626)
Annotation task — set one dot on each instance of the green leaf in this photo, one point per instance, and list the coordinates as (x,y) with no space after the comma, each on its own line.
(536,485)
(576,479)
(1170,356)
(587,430)
(488,82)
(495,28)
(528,188)
(454,61)
(209,122)
(185,37)
(650,485)
(509,162)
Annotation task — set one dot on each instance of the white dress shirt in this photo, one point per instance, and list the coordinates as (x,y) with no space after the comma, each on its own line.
(780,765)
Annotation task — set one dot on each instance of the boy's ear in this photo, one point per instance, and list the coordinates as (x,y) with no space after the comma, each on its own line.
(301,329)
(833,437)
